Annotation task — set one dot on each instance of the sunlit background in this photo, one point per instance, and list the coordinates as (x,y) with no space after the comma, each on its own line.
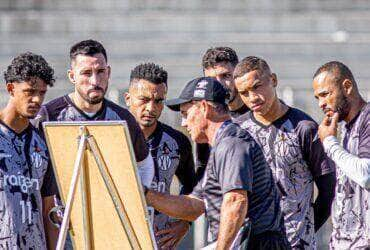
(294,36)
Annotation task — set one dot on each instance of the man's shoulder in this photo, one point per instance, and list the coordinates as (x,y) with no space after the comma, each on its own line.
(241,119)
(298,116)
(177,135)
(301,122)
(366,113)
(114,110)
(56,104)
(122,112)
(234,136)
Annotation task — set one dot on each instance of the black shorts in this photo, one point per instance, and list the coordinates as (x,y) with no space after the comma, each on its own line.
(269,240)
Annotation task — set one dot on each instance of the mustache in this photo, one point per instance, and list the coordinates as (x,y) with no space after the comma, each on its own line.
(34,106)
(95,89)
(150,114)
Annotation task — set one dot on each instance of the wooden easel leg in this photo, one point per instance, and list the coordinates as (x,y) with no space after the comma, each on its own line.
(112,190)
(71,192)
(85,198)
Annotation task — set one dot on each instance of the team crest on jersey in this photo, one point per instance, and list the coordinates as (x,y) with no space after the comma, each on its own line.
(36,158)
(164,160)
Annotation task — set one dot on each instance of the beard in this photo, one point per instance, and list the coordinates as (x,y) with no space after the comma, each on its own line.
(343,107)
(95,100)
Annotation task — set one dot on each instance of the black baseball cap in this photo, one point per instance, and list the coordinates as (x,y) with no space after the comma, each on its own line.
(202,88)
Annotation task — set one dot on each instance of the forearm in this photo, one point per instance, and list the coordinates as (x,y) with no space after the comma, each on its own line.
(51,231)
(233,213)
(326,192)
(184,207)
(357,169)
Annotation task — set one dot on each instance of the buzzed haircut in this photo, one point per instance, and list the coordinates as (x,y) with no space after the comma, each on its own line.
(88,48)
(150,72)
(249,64)
(339,71)
(27,66)
(217,55)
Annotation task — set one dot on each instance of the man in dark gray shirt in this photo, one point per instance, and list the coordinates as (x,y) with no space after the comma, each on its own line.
(237,191)
(337,92)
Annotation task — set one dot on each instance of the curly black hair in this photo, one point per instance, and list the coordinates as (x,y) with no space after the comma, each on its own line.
(219,55)
(150,72)
(28,65)
(250,63)
(87,47)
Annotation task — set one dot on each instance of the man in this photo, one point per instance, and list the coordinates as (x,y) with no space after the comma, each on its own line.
(339,98)
(292,148)
(26,176)
(237,191)
(90,75)
(170,149)
(219,62)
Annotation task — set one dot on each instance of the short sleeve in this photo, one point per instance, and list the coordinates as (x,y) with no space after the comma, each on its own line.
(41,117)
(138,141)
(364,138)
(185,172)
(49,185)
(234,165)
(313,150)
(198,189)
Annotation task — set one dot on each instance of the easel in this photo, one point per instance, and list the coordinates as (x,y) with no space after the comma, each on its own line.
(87,144)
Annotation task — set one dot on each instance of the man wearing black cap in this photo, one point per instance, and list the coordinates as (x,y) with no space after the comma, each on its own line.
(237,191)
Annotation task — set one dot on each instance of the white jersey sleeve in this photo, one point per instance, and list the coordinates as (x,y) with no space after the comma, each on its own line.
(146,170)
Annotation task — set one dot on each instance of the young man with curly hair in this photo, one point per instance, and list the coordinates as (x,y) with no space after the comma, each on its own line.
(90,75)
(170,149)
(27,184)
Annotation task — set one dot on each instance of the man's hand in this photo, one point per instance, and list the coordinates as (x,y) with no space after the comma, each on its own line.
(169,238)
(328,127)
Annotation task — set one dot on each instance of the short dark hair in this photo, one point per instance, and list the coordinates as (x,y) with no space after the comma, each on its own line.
(250,63)
(87,47)
(217,55)
(150,72)
(29,65)
(339,71)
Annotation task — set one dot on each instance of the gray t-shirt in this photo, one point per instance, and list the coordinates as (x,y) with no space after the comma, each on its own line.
(237,162)
(295,155)
(351,207)
(25,177)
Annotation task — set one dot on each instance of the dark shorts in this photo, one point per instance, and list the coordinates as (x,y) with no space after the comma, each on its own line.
(269,240)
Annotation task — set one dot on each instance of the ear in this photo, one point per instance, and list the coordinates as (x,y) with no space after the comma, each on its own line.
(347,86)
(127,97)
(274,80)
(71,76)
(205,108)
(10,88)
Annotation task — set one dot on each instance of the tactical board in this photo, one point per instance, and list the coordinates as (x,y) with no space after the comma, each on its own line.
(114,144)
